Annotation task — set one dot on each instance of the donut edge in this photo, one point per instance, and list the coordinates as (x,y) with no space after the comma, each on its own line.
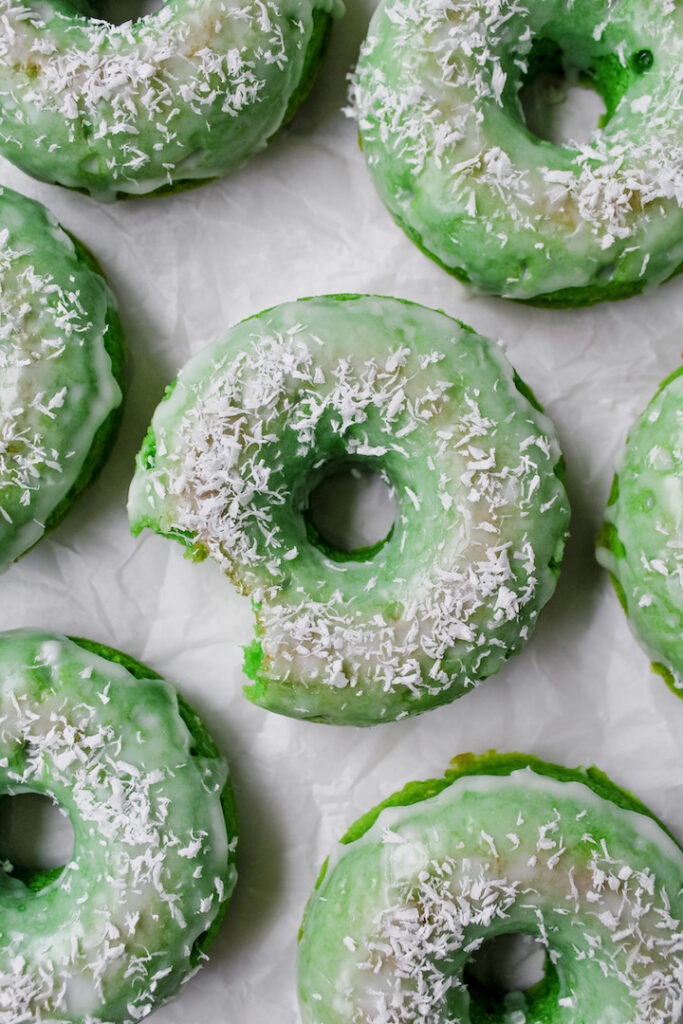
(494,763)
(105,436)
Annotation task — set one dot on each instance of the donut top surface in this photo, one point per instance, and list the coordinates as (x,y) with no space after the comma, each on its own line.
(436,95)
(259,417)
(402,906)
(187,92)
(642,542)
(114,934)
(57,383)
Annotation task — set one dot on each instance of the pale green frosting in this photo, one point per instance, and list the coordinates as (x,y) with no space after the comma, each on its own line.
(57,385)
(642,542)
(398,912)
(436,96)
(113,935)
(256,419)
(184,94)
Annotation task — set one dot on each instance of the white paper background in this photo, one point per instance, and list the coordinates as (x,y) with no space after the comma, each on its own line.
(303,219)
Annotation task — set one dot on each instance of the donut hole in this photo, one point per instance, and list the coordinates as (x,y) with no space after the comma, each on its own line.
(562,101)
(561,108)
(508,963)
(507,973)
(118,12)
(350,511)
(36,838)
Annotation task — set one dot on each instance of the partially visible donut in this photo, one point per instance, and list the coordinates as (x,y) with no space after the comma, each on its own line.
(61,363)
(113,933)
(436,95)
(180,96)
(504,844)
(641,542)
(309,388)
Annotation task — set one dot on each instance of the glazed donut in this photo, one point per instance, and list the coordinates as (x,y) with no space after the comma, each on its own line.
(287,398)
(504,844)
(61,363)
(641,541)
(181,96)
(114,932)
(436,96)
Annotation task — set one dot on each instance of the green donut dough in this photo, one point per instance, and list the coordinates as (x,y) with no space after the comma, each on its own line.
(178,97)
(641,543)
(504,844)
(297,393)
(61,363)
(436,96)
(114,933)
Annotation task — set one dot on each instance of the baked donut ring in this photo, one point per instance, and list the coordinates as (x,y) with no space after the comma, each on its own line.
(504,844)
(286,398)
(113,933)
(436,96)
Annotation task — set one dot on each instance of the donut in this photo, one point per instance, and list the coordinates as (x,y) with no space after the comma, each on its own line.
(61,363)
(112,934)
(641,541)
(436,94)
(306,390)
(174,99)
(504,844)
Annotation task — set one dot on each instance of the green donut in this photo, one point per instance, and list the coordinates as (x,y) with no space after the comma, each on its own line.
(503,844)
(179,97)
(641,542)
(61,364)
(112,934)
(436,96)
(290,396)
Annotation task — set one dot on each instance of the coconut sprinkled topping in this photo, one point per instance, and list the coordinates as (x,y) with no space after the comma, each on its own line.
(142,98)
(428,91)
(230,473)
(127,69)
(120,919)
(598,887)
(314,640)
(407,955)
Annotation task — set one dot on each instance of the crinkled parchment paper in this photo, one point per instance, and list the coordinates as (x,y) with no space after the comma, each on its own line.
(303,219)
